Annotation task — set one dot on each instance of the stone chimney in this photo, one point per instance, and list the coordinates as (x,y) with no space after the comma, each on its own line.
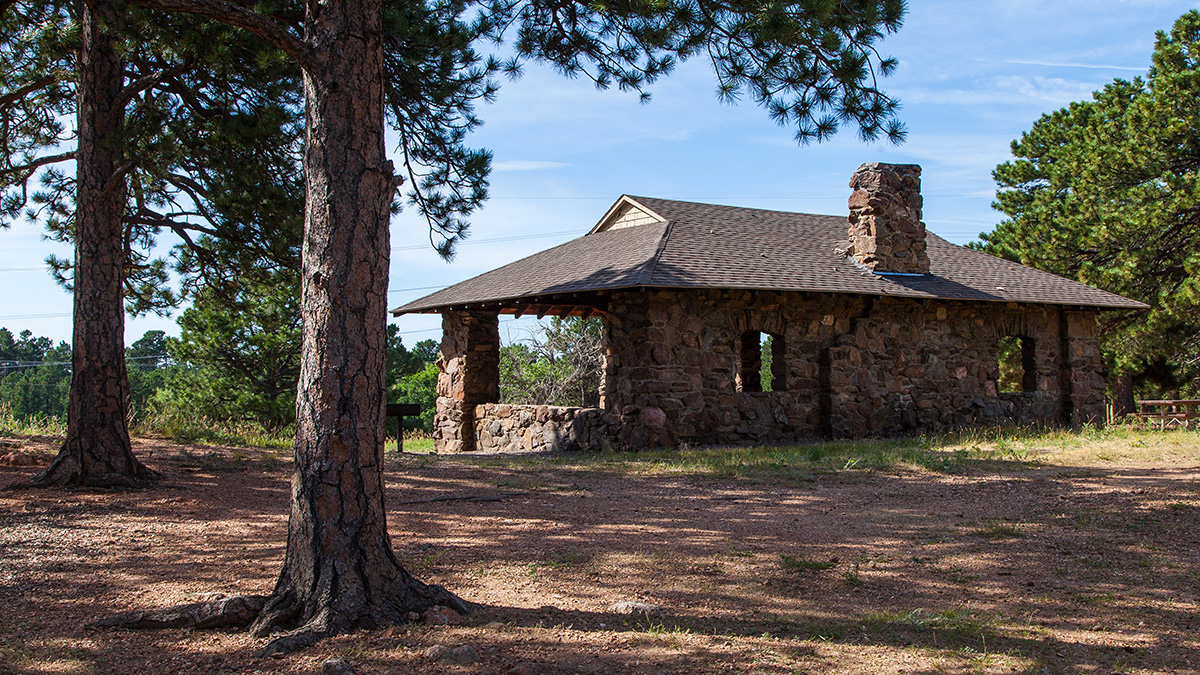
(886,232)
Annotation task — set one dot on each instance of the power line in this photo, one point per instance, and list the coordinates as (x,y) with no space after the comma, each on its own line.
(24,365)
(418,288)
(18,365)
(18,317)
(469,242)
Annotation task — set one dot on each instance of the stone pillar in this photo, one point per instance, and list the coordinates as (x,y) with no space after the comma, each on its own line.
(1082,369)
(468,374)
(885,228)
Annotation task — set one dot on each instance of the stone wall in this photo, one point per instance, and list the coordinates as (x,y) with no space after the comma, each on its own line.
(853,366)
(500,427)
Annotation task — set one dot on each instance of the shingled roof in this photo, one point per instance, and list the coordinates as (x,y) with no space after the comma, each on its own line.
(658,243)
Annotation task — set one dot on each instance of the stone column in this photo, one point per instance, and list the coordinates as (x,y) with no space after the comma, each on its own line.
(1082,369)
(885,228)
(468,374)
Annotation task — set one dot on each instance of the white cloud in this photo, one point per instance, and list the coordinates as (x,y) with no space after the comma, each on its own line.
(1058,64)
(1055,90)
(1007,89)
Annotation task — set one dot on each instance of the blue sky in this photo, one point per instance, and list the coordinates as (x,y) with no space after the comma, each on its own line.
(972,77)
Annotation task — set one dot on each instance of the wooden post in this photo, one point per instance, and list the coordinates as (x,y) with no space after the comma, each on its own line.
(400,411)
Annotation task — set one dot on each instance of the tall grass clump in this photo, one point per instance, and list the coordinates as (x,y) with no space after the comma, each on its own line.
(12,424)
(199,429)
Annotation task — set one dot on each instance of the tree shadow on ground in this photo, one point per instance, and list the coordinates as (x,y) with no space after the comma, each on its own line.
(989,569)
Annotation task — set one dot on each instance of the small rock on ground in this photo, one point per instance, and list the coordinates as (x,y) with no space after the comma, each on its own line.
(19,459)
(459,654)
(632,607)
(337,666)
(440,616)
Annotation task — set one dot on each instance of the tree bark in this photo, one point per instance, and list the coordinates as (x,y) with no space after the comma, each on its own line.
(1124,404)
(97,451)
(340,571)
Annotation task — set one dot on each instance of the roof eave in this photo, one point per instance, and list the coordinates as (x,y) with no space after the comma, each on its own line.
(1127,305)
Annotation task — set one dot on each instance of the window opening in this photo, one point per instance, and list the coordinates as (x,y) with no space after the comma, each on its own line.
(1018,367)
(559,362)
(762,364)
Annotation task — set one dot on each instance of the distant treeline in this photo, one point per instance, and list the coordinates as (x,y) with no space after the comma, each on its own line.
(241,365)
(205,373)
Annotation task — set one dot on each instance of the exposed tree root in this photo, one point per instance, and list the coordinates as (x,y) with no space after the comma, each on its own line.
(266,616)
(447,599)
(67,471)
(284,609)
(235,612)
(295,641)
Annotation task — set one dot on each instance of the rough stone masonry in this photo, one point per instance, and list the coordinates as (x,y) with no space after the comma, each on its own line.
(886,232)
(681,364)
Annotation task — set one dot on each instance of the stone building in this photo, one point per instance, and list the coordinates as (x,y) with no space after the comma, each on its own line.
(876,327)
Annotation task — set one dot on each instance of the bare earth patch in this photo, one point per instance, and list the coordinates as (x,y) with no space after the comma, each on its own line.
(1079,562)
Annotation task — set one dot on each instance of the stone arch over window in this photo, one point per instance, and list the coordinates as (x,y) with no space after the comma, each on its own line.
(762,362)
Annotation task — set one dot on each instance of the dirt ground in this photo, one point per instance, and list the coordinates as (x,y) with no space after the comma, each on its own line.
(1086,566)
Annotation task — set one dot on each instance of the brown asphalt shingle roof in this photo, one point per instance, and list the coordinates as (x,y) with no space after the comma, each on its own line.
(708,246)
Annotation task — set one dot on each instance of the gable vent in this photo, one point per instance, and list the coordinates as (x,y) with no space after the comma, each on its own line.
(626,213)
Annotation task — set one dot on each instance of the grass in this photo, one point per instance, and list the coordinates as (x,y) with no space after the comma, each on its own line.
(186,429)
(792,564)
(952,453)
(415,442)
(12,424)
(993,529)
(852,576)
(960,621)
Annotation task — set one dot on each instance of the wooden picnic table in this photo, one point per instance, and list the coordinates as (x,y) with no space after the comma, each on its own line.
(1170,411)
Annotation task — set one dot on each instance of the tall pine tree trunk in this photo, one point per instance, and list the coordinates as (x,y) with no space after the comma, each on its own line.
(97,450)
(339,571)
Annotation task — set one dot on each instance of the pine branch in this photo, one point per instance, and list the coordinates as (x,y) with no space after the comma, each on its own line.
(226,12)
(19,94)
(38,163)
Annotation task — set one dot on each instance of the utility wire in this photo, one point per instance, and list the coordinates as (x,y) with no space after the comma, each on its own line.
(33,316)
(493,240)
(17,365)
(418,288)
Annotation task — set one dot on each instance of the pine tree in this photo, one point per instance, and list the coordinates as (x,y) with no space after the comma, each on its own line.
(183,126)
(1105,191)
(812,63)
